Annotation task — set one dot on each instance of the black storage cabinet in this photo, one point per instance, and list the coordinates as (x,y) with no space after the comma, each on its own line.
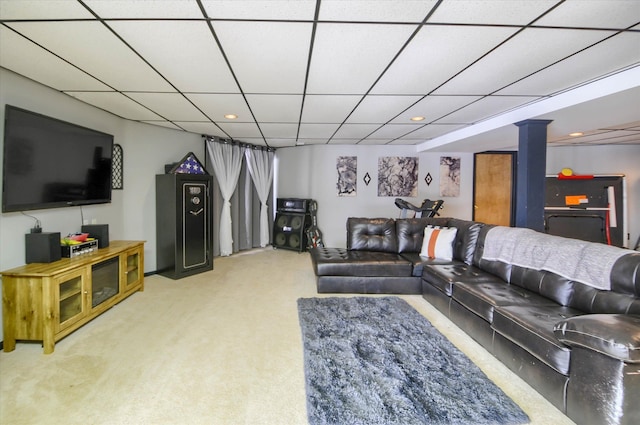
(184,229)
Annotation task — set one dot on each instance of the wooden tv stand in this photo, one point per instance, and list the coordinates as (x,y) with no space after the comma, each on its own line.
(47,301)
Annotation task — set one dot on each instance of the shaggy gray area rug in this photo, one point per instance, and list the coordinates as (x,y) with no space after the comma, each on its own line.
(378,361)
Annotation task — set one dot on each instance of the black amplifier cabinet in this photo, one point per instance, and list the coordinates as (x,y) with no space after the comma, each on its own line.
(293,205)
(290,231)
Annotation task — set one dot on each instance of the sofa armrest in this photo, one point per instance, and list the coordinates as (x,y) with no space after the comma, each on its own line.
(614,335)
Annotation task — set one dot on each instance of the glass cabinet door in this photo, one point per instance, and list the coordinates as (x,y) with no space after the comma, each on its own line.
(133,269)
(71,295)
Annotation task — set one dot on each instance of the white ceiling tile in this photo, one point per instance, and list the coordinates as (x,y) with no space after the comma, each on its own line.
(593,14)
(432,130)
(394,131)
(38,9)
(631,126)
(610,136)
(317,131)
(275,108)
(356,131)
(374,142)
(117,104)
(500,12)
(241,129)
(266,57)
(485,108)
(375,10)
(380,109)
(529,51)
(184,52)
(278,143)
(328,108)
(312,141)
(76,42)
(165,124)
(207,128)
(348,58)
(434,107)
(24,57)
(279,131)
(342,141)
(171,106)
(435,54)
(260,9)
(405,142)
(216,106)
(606,57)
(147,9)
(258,141)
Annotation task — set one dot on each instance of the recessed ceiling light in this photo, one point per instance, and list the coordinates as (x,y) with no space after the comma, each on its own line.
(231,116)
(576,134)
(417,118)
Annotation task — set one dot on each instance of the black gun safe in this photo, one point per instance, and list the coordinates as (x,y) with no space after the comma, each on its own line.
(184,229)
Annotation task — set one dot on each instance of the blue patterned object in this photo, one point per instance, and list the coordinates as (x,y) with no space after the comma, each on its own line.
(189,165)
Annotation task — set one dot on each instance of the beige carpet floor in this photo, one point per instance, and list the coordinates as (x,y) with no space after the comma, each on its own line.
(221,347)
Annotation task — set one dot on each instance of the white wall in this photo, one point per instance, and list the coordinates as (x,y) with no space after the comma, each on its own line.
(131,214)
(609,159)
(310,172)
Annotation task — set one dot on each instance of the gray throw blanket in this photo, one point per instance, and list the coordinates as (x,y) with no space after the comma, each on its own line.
(586,262)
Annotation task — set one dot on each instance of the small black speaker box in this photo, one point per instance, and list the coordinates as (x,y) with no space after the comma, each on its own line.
(99,232)
(42,247)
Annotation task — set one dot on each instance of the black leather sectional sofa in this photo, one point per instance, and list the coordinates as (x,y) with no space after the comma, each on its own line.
(576,340)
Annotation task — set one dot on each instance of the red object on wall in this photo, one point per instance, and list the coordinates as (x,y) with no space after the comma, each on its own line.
(575,177)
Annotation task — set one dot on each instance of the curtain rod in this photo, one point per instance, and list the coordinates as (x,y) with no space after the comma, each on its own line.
(237,142)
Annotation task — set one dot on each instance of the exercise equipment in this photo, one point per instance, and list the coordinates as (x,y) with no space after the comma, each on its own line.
(428,208)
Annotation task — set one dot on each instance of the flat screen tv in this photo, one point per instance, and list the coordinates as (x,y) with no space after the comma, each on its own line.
(49,163)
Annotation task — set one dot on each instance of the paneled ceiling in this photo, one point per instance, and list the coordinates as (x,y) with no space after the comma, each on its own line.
(339,71)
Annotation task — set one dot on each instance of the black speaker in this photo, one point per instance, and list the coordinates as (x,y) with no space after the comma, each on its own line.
(289,231)
(292,205)
(42,247)
(99,232)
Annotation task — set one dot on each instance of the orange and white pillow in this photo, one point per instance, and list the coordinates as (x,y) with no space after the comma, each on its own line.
(438,242)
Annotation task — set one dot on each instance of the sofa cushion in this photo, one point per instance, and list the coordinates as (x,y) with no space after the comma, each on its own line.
(625,274)
(342,262)
(419,262)
(466,239)
(615,335)
(483,297)
(438,242)
(531,327)
(410,232)
(443,276)
(372,234)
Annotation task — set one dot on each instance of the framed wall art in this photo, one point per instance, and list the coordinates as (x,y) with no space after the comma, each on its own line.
(347,170)
(449,176)
(398,176)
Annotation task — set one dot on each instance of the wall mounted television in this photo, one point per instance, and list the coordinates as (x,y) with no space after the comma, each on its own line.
(49,163)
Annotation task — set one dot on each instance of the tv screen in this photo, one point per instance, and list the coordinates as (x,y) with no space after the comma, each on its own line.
(49,163)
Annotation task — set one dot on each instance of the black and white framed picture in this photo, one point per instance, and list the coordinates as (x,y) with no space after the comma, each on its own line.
(347,168)
(449,176)
(398,176)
